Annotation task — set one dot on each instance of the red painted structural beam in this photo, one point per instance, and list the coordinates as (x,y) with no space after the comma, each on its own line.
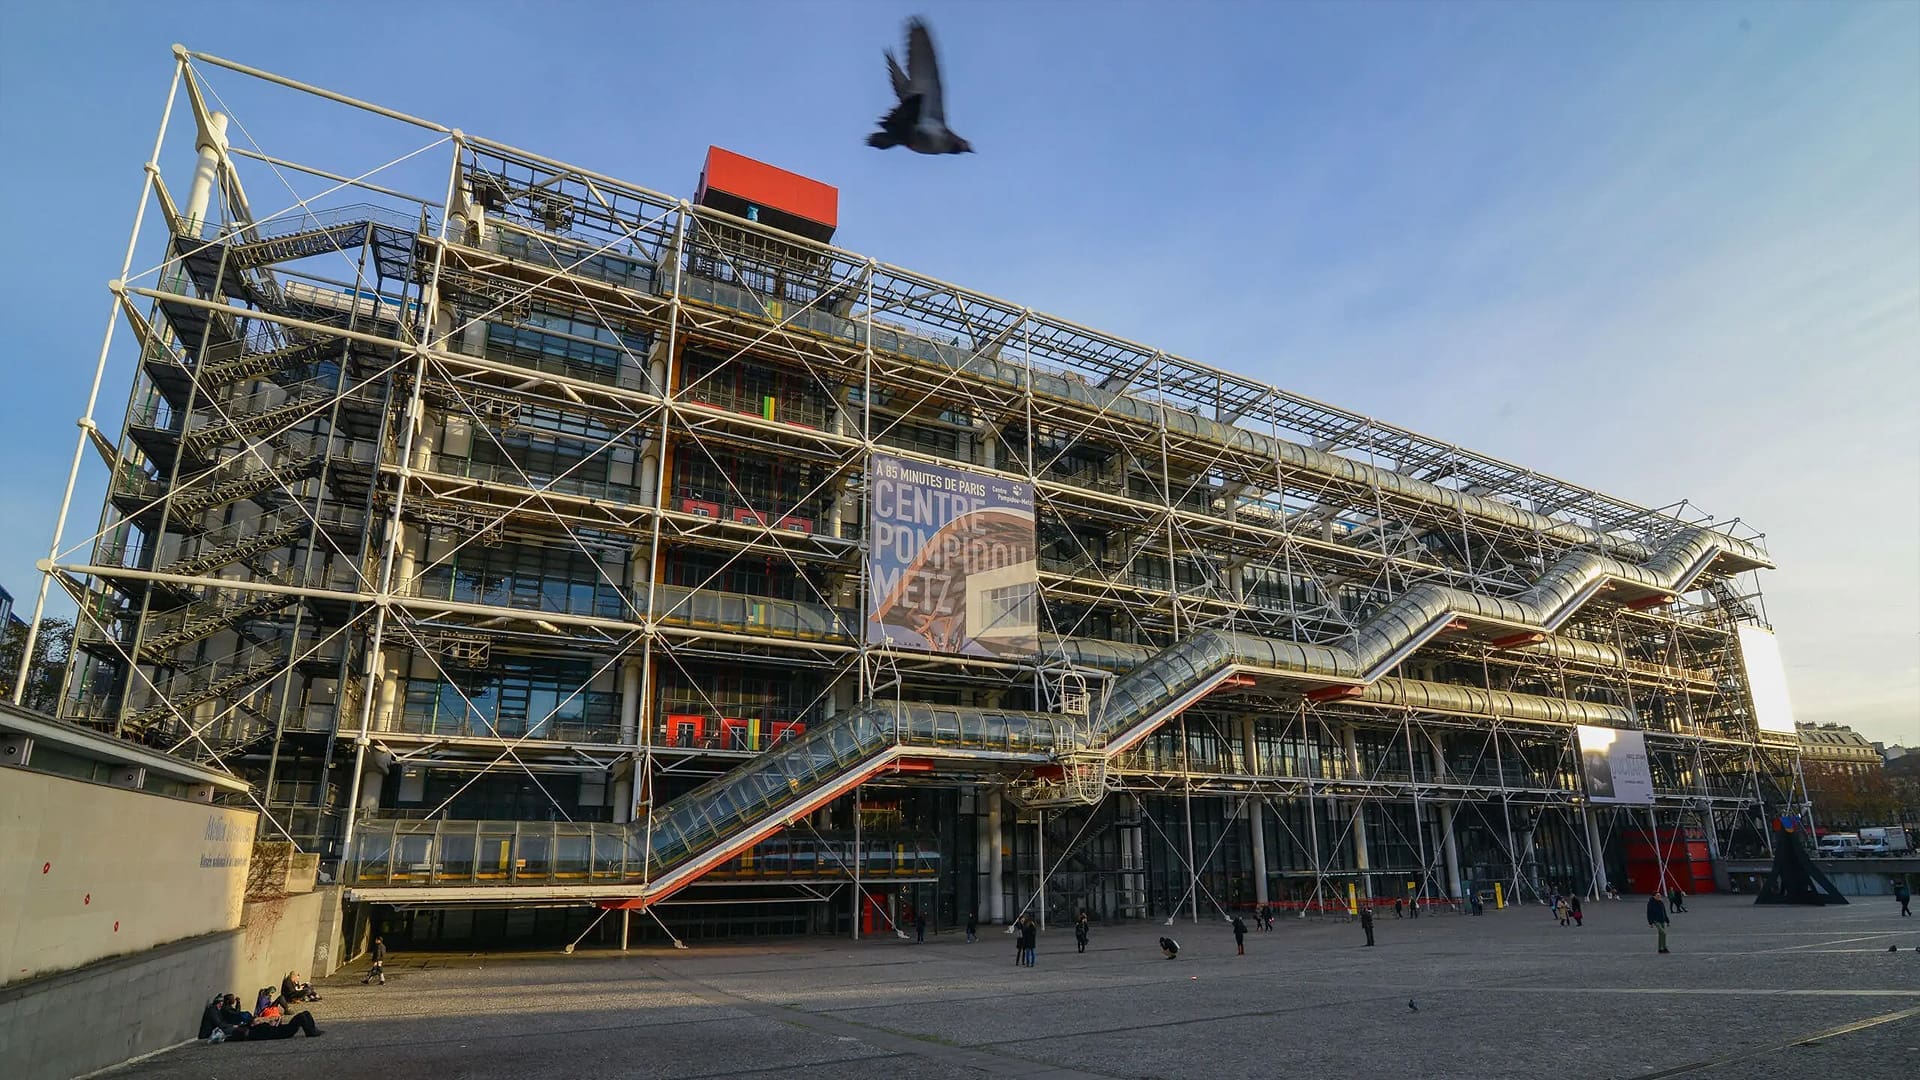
(1333,693)
(1652,601)
(1514,641)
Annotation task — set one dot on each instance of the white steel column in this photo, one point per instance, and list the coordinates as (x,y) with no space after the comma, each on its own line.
(88,428)
(1040,866)
(212,144)
(996,880)
(392,539)
(1451,847)
(1137,854)
(1595,854)
(1256,811)
(1362,857)
(623,787)
(857,853)
(983,853)
(372,780)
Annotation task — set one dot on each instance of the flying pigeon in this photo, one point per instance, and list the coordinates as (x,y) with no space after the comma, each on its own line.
(919,121)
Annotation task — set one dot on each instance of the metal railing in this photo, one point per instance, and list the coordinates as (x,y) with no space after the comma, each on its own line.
(394,850)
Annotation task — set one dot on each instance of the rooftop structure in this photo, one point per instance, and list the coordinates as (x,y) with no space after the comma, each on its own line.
(525,535)
(1837,745)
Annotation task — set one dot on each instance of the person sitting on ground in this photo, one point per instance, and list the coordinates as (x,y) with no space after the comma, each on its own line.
(263,1001)
(1170,947)
(279,1027)
(210,1017)
(232,1014)
(293,989)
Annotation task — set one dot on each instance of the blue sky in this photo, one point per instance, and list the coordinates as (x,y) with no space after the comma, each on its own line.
(1668,251)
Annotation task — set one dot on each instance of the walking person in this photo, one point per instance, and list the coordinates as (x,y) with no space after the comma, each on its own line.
(1573,908)
(1020,940)
(1239,936)
(1399,908)
(973,926)
(1904,893)
(919,927)
(1029,940)
(1082,927)
(378,972)
(1657,918)
(1366,922)
(1564,911)
(1677,901)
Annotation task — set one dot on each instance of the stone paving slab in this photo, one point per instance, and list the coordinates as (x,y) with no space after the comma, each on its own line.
(1748,993)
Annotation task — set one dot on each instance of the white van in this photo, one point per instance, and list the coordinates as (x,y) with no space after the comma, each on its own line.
(1838,845)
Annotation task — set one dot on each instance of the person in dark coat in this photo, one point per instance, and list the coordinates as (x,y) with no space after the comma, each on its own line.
(973,926)
(210,1016)
(1239,936)
(1904,893)
(1029,941)
(1573,908)
(293,988)
(1657,918)
(231,1014)
(378,972)
(919,927)
(1082,929)
(1366,922)
(279,1027)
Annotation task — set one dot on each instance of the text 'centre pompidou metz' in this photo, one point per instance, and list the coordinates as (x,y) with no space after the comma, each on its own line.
(529,538)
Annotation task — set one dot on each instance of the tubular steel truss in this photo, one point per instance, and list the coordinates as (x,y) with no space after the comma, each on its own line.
(539,494)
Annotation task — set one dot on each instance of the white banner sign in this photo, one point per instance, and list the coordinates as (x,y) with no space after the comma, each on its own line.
(1767,679)
(1615,765)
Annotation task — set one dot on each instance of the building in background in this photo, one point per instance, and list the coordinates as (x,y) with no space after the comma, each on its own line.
(527,537)
(1838,746)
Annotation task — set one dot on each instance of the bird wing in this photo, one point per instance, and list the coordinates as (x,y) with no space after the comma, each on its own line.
(901,86)
(923,71)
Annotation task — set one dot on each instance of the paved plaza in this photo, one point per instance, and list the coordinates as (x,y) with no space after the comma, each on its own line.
(1747,993)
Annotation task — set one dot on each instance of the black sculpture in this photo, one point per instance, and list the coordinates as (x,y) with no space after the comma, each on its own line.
(1794,878)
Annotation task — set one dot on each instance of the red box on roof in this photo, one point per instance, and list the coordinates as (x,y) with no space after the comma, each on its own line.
(734,183)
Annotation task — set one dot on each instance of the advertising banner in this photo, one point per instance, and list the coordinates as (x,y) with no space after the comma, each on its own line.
(1766,679)
(1615,765)
(950,560)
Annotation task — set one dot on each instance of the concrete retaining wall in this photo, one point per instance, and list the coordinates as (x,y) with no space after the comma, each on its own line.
(89,871)
(51,1029)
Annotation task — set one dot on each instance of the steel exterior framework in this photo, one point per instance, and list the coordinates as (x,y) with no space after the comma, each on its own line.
(389,460)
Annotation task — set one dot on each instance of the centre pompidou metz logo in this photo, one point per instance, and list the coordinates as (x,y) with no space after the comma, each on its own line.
(951,560)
